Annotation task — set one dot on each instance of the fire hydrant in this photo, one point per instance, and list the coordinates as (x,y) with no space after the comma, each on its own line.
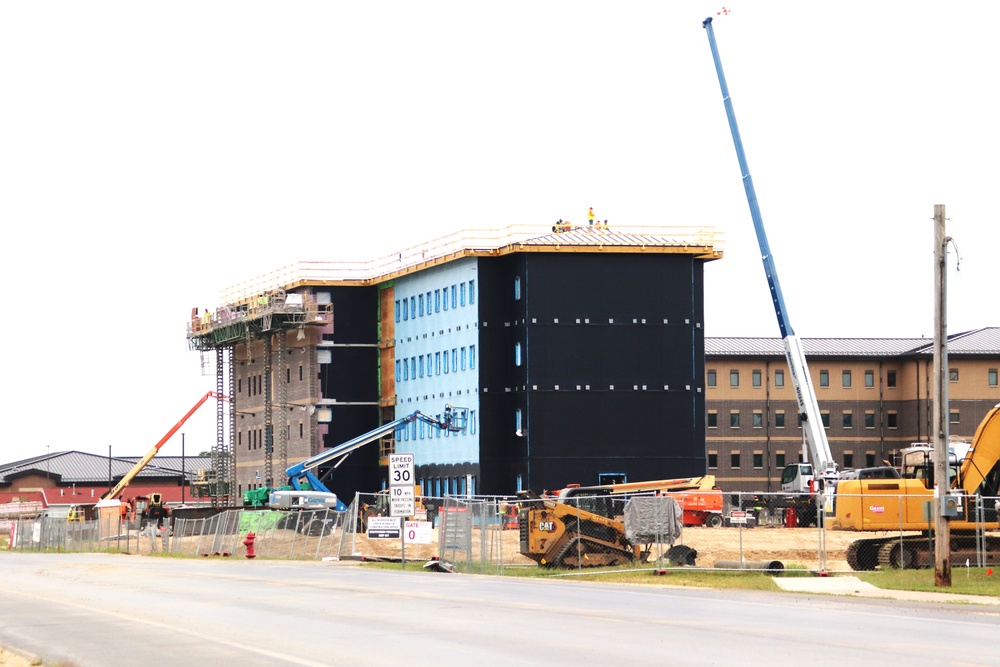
(248,543)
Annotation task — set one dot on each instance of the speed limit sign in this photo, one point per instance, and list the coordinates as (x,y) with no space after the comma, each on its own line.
(400,469)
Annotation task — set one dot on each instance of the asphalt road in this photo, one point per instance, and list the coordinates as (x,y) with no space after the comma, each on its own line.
(109,610)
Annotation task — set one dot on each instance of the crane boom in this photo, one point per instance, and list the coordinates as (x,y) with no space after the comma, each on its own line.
(144,461)
(302,476)
(805,394)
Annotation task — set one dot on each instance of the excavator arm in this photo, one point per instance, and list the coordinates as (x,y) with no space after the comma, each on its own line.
(983,460)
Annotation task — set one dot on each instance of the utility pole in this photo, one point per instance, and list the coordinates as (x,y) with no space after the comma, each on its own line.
(942,485)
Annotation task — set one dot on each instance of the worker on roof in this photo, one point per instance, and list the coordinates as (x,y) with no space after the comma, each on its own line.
(590,217)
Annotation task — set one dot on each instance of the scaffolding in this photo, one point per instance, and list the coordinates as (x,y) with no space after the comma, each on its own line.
(264,317)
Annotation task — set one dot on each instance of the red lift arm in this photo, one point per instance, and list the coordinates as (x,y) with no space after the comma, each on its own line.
(144,461)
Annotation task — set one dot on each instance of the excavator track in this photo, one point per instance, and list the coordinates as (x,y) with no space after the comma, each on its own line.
(916,551)
(862,555)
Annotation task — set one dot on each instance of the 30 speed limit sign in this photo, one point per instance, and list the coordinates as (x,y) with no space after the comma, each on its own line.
(400,469)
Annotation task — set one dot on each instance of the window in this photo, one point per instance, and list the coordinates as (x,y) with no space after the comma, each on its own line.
(437,363)
(398,371)
(779,378)
(454,360)
(779,460)
(472,292)
(463,358)
(734,419)
(421,302)
(472,357)
(397,310)
(446,298)
(517,354)
(406,309)
(413,367)
(846,378)
(421,367)
(758,420)
(446,368)
(755,378)
(734,378)
(711,378)
(758,460)
(825,417)
(869,459)
(952,375)
(869,379)
(734,460)
(713,419)
(413,307)
(848,459)
(517,288)
(890,419)
(953,417)
(779,419)
(406,370)
(454,296)
(991,377)
(890,379)
(517,422)
(472,421)
(848,420)
(437,301)
(869,420)
(824,378)
(713,459)
(461,292)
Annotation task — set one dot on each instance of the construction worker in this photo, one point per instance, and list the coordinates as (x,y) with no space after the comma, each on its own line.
(590,217)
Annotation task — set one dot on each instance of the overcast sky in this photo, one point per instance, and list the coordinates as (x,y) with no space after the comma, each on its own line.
(152,154)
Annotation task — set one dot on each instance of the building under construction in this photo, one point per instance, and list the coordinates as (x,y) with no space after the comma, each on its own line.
(579,353)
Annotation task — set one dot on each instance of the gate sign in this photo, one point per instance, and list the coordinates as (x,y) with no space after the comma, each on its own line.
(400,469)
(738,516)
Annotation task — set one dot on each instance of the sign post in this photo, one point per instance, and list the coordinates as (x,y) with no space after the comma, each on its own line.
(401,496)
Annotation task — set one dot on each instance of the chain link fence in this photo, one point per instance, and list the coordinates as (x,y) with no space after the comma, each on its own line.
(492,535)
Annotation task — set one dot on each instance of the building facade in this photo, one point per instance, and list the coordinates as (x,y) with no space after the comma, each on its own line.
(578,354)
(875,397)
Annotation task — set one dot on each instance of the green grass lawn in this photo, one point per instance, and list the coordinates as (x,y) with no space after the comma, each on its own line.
(973,581)
(967,581)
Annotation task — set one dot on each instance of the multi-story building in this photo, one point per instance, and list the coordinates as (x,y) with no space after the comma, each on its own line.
(579,354)
(875,397)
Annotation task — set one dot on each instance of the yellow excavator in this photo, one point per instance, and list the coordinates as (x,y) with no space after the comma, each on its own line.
(901,503)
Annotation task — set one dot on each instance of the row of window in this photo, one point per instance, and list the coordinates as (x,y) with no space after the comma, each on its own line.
(846,419)
(846,378)
(438,487)
(779,460)
(421,430)
(255,437)
(255,383)
(436,301)
(426,364)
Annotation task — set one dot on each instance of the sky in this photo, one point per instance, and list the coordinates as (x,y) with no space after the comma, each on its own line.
(152,154)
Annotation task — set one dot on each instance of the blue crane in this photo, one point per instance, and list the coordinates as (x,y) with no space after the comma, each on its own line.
(303,478)
(796,476)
